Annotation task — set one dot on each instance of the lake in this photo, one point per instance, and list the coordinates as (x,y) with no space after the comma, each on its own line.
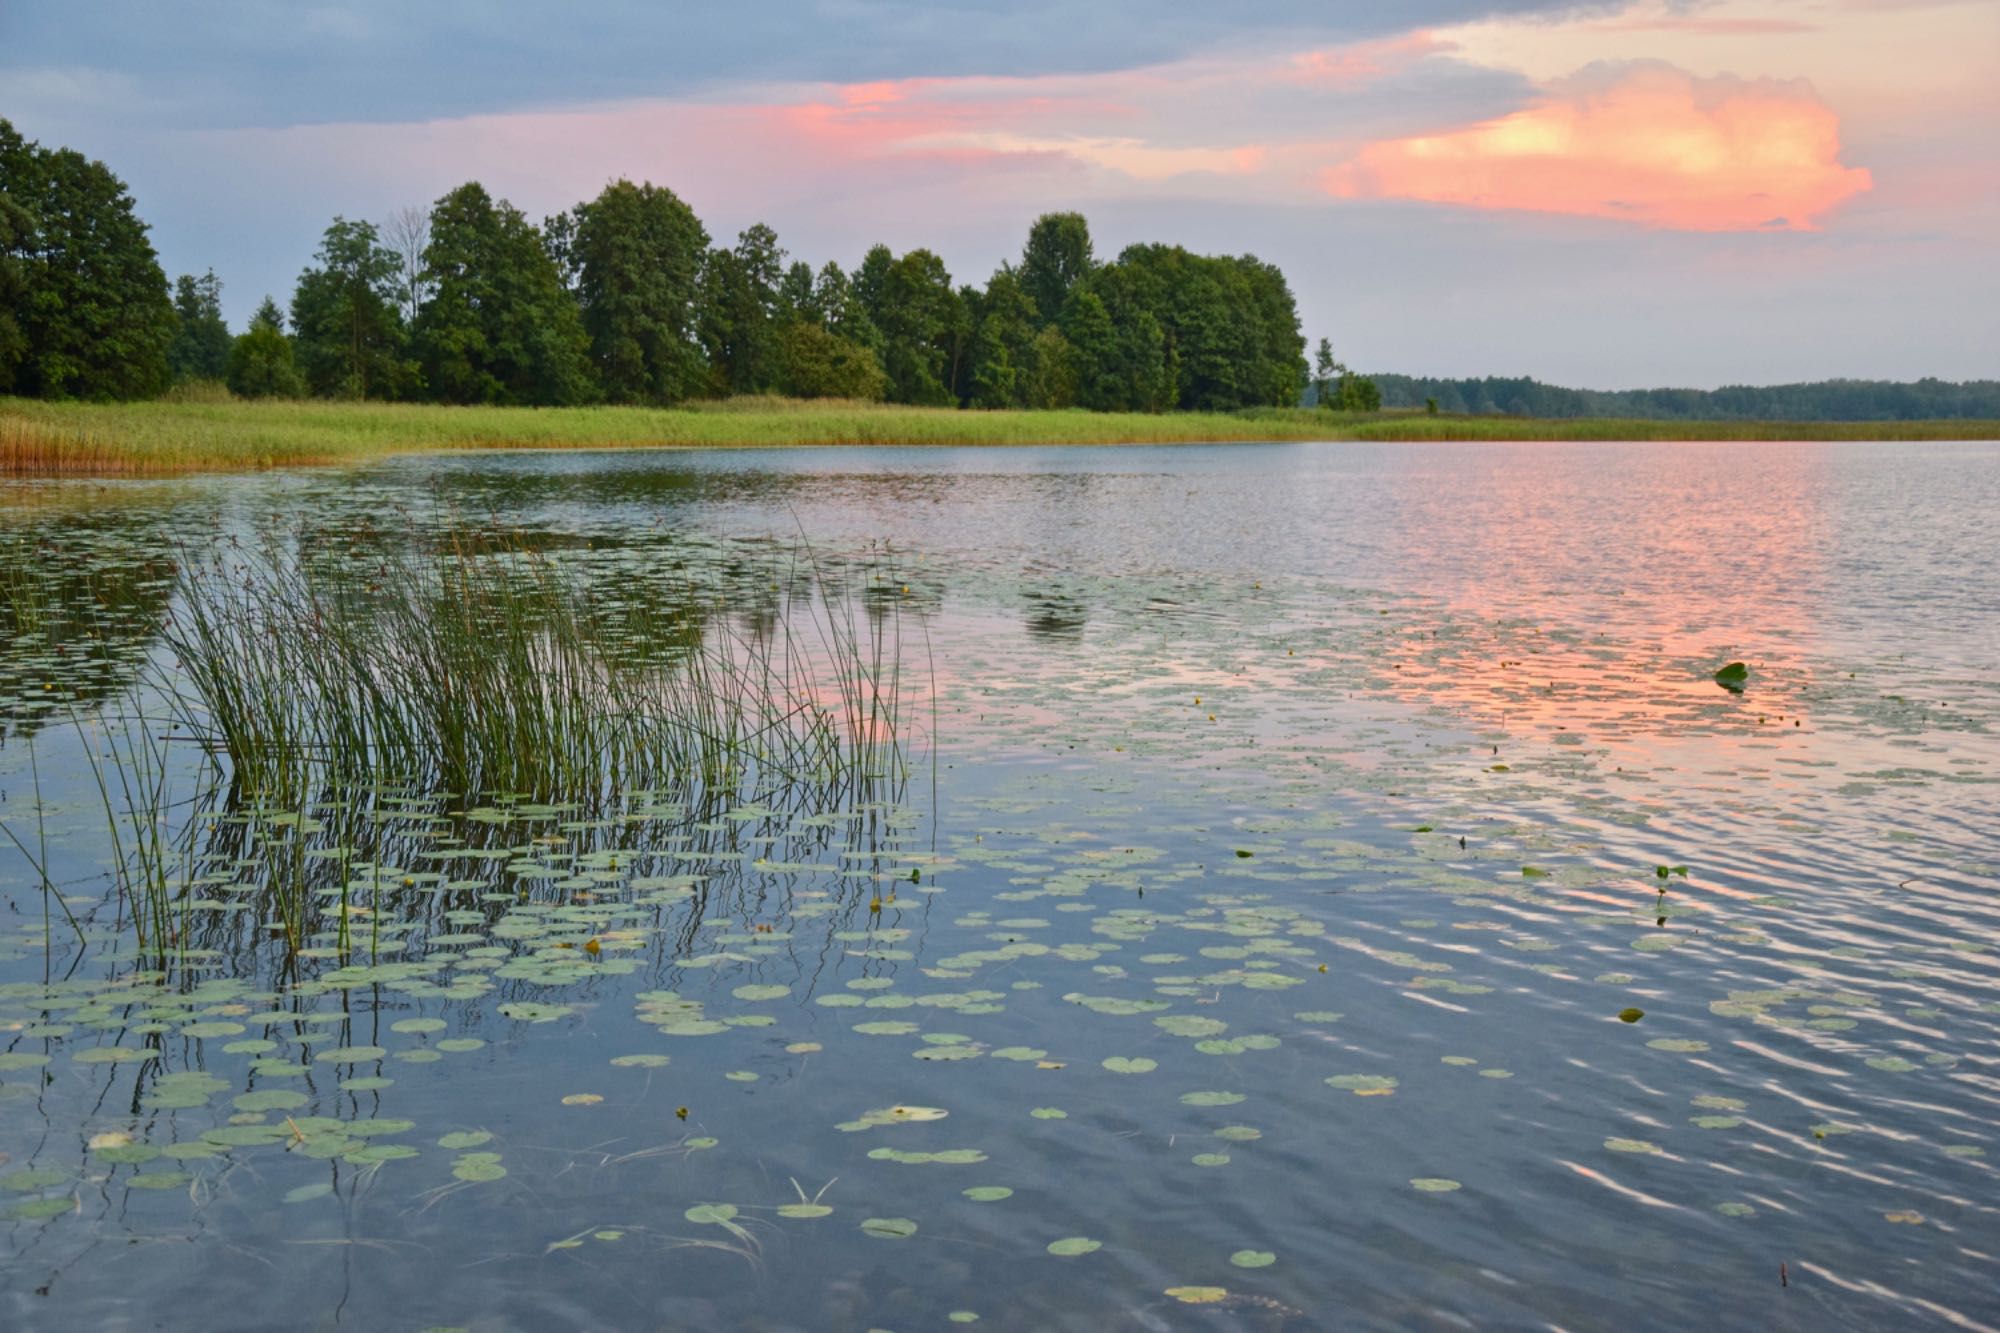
(1320,886)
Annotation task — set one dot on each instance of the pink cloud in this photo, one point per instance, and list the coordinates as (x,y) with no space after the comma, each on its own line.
(1643,143)
(1359,63)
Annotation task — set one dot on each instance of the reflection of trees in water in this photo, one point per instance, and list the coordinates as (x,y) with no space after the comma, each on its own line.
(79,612)
(1055,616)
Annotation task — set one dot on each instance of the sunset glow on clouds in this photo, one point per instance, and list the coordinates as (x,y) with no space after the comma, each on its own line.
(1704,176)
(1642,143)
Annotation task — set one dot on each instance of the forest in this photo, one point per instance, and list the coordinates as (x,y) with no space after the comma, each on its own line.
(623,299)
(1821,400)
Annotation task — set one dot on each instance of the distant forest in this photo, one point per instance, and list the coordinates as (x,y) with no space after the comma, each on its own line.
(1822,400)
(624,299)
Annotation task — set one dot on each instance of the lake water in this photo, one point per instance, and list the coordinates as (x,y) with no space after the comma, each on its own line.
(1283,841)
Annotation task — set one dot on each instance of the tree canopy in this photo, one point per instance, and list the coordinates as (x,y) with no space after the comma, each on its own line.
(624,297)
(500,326)
(200,349)
(87,314)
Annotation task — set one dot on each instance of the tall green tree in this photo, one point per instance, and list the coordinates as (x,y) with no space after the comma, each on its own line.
(87,314)
(921,319)
(739,311)
(499,326)
(637,254)
(17,229)
(1051,378)
(260,361)
(347,319)
(811,362)
(200,349)
(1056,258)
(1002,344)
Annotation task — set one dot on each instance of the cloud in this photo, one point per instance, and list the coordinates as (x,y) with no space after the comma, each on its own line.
(1642,142)
(251,63)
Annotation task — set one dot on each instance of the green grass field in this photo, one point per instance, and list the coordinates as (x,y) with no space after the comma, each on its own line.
(164,437)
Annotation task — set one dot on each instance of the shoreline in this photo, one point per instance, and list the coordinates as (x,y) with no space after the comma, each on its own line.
(165,438)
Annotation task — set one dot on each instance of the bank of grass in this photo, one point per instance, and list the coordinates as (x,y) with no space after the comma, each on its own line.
(163,438)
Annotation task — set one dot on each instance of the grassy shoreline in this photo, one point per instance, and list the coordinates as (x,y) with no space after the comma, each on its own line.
(165,438)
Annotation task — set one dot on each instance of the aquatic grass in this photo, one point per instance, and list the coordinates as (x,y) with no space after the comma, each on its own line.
(489,666)
(166,437)
(315,710)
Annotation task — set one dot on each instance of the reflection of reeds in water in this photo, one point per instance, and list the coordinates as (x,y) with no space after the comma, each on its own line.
(479,670)
(490,667)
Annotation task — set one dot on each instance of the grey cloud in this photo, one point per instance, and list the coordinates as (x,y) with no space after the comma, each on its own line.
(226,63)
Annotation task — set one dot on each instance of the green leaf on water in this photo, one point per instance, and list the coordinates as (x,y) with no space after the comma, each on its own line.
(479,1166)
(1253,1258)
(271,1099)
(460,1140)
(130,1154)
(646,1060)
(350,1055)
(1211,1098)
(418,1025)
(1434,1184)
(988,1193)
(803,1210)
(528,1012)
(889,1228)
(1119,1064)
(37,1209)
(32,1178)
(1733,677)
(1632,1146)
(104,1055)
(1630,1015)
(1198,1295)
(712,1214)
(305,1193)
(1049,1113)
(1071,1246)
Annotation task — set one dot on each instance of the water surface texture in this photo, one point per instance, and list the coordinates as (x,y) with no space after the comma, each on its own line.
(1328,889)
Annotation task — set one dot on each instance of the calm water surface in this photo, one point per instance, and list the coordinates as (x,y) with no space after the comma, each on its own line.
(1278,859)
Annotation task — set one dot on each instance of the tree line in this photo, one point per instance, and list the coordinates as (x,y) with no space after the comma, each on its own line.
(1820,400)
(626,299)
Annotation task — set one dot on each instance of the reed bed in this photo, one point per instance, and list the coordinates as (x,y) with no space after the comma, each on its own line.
(489,666)
(199,434)
(300,687)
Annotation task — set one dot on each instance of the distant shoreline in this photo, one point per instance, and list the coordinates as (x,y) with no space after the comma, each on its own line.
(165,438)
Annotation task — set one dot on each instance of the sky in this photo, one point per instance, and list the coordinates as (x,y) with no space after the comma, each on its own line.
(1607,195)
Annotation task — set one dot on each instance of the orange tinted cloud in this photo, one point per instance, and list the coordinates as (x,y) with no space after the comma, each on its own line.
(1644,143)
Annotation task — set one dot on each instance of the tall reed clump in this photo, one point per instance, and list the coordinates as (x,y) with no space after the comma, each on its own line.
(486,666)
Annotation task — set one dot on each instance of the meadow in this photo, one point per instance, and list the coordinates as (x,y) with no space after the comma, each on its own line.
(166,437)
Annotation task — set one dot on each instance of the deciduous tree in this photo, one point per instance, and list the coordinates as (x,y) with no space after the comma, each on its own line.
(88,311)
